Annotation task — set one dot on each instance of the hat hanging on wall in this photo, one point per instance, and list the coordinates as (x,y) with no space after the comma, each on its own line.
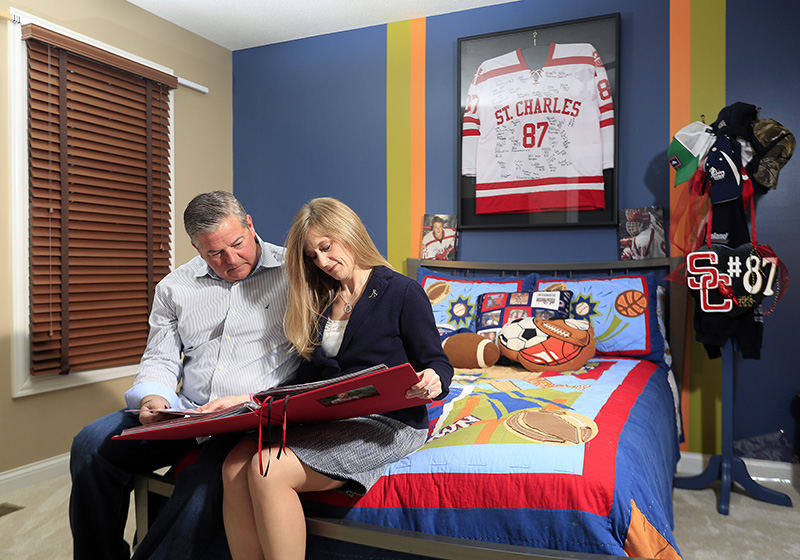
(722,167)
(689,145)
(736,120)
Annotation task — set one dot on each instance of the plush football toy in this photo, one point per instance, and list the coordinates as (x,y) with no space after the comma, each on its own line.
(470,350)
(547,344)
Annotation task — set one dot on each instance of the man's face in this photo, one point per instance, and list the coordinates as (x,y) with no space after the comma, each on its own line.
(231,251)
(438,230)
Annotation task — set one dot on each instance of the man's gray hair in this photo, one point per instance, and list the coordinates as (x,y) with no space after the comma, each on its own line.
(207,211)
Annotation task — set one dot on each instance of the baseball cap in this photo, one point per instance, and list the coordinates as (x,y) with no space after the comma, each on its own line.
(689,145)
(736,119)
(777,146)
(724,176)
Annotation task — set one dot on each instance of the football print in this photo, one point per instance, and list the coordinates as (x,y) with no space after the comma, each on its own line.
(567,344)
(437,291)
(562,427)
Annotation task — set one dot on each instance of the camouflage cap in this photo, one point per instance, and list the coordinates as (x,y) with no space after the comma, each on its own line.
(777,141)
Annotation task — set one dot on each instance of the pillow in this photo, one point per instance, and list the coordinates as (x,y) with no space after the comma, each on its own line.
(495,309)
(622,309)
(470,350)
(547,344)
(454,299)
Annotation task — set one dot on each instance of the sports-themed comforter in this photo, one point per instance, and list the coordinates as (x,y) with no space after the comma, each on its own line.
(581,461)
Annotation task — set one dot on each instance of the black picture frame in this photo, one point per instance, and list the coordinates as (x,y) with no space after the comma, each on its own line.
(603,33)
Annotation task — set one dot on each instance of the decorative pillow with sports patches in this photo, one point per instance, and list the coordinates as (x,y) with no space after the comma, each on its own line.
(495,309)
(622,310)
(455,300)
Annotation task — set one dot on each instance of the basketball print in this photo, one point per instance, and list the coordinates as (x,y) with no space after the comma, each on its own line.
(437,291)
(631,303)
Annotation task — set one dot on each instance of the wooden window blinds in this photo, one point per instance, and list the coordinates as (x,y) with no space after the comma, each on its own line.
(99,202)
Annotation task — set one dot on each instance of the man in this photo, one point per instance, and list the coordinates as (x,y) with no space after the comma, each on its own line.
(215,336)
(440,242)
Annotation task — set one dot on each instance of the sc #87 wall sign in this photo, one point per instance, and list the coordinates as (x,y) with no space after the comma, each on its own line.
(731,281)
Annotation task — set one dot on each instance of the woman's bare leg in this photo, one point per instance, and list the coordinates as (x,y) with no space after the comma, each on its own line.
(280,523)
(237,506)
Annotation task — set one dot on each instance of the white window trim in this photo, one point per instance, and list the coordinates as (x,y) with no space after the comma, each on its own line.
(22,382)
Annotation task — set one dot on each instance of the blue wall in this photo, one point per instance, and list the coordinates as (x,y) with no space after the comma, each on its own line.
(309,120)
(643,177)
(762,46)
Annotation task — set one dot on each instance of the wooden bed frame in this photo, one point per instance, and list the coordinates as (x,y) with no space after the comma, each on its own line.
(423,544)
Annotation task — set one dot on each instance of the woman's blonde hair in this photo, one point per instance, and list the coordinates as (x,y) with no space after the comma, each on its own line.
(310,289)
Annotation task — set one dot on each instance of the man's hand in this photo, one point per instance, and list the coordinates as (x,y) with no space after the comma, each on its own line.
(149,408)
(223,402)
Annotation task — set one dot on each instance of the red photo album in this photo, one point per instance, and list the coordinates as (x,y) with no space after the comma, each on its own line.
(371,391)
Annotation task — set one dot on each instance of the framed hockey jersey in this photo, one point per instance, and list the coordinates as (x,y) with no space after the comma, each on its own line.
(537,134)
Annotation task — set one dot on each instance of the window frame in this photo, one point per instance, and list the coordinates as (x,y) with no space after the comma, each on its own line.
(23,383)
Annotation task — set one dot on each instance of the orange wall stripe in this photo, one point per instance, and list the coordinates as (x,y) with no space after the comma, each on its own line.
(680,103)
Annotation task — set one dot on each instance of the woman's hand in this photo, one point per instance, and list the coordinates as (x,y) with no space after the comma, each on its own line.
(223,402)
(429,385)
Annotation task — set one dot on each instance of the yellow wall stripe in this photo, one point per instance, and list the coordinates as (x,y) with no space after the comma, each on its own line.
(398,141)
(405,139)
(697,91)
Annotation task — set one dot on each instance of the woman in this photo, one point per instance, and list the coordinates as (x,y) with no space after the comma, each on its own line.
(347,310)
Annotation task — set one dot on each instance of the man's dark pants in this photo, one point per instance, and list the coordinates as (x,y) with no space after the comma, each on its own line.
(190,523)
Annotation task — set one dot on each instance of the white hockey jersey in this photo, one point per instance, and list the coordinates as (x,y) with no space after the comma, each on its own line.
(538,140)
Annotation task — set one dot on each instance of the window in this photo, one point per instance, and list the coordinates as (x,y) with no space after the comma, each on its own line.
(99,202)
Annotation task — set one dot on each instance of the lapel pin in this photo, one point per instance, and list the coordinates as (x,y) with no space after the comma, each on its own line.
(373,294)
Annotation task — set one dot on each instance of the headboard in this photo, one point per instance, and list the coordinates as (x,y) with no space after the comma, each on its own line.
(612,267)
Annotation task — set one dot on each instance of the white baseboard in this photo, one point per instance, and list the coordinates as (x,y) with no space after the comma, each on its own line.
(34,473)
(693,463)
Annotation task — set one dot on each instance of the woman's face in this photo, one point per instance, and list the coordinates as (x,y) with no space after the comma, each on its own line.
(328,255)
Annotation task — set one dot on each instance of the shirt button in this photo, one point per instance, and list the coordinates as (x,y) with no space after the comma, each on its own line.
(227,338)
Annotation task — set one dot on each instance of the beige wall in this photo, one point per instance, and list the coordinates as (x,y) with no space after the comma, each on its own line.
(41,426)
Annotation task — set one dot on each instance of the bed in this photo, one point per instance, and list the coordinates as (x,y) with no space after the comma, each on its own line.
(482,486)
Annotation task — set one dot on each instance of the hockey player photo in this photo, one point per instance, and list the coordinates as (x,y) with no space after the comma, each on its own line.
(641,233)
(439,237)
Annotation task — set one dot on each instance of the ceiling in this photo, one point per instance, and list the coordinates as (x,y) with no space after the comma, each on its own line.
(241,24)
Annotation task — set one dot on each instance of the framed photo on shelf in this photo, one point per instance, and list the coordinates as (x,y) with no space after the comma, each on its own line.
(439,237)
(537,132)
(642,233)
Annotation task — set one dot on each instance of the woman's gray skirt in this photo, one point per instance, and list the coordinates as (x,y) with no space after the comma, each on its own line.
(355,450)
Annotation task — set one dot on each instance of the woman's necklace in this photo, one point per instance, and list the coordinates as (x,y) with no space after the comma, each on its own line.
(348,306)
